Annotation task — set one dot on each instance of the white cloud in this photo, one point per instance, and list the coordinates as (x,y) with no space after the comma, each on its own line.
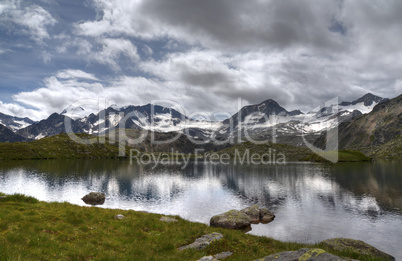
(210,52)
(33,18)
(19,110)
(70,73)
(112,50)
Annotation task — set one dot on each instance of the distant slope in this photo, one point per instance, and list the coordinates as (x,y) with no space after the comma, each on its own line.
(7,135)
(367,100)
(290,152)
(371,133)
(14,123)
(53,125)
(163,142)
(57,147)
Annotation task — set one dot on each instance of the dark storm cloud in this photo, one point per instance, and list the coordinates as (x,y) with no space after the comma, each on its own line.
(250,24)
(202,54)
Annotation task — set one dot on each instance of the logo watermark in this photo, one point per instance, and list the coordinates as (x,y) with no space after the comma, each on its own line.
(239,157)
(163,116)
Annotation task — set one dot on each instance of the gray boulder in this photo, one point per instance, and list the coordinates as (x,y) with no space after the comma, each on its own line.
(94,198)
(253,213)
(347,244)
(258,215)
(314,254)
(203,242)
(266,216)
(233,219)
(119,216)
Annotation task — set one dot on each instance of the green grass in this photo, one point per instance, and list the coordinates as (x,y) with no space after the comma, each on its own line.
(58,147)
(343,156)
(34,230)
(290,152)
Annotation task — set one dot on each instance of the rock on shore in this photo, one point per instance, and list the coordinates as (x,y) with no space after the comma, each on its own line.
(94,198)
(242,219)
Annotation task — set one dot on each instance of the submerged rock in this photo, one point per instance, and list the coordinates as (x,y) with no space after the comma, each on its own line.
(204,241)
(347,244)
(233,219)
(314,254)
(94,198)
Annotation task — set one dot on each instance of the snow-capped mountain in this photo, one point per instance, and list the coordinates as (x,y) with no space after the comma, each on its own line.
(263,121)
(7,135)
(269,121)
(54,124)
(149,117)
(75,112)
(14,123)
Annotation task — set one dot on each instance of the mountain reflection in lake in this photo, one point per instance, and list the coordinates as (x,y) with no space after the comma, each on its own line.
(312,202)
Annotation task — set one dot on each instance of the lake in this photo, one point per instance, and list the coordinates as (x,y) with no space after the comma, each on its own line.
(312,202)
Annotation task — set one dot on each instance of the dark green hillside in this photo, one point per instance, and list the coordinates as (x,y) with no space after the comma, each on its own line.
(58,147)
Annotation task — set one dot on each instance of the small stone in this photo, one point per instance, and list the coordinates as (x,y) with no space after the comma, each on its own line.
(168,219)
(119,216)
(94,198)
(223,255)
(207,258)
(203,242)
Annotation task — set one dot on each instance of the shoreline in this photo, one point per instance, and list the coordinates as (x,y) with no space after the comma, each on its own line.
(68,231)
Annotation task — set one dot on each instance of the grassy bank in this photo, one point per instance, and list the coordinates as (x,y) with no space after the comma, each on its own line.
(343,156)
(58,147)
(34,230)
(63,147)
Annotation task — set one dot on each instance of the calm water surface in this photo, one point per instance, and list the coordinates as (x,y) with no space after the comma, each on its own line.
(312,202)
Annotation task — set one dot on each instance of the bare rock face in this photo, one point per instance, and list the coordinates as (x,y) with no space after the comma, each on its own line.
(94,198)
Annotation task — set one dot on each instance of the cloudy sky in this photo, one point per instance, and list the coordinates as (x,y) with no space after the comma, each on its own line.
(202,54)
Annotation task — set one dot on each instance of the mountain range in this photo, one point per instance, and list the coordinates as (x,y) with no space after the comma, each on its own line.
(266,121)
(378,133)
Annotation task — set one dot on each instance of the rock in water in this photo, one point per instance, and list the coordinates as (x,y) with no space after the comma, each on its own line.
(94,198)
(253,213)
(258,215)
(347,244)
(266,216)
(302,254)
(233,219)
